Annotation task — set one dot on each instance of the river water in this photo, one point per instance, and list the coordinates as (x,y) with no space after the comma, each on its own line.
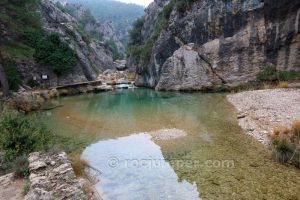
(216,160)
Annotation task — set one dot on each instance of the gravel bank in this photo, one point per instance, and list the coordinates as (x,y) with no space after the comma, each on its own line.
(260,111)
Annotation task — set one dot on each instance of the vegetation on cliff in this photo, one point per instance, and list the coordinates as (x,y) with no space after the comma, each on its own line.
(51,51)
(86,19)
(24,39)
(270,73)
(17,17)
(142,47)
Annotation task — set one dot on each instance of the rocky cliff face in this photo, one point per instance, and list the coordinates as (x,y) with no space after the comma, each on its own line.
(151,13)
(221,42)
(92,55)
(104,29)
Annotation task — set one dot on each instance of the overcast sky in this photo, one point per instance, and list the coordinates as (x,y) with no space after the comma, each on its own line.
(140,2)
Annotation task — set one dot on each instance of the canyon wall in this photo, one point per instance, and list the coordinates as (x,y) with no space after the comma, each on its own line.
(220,42)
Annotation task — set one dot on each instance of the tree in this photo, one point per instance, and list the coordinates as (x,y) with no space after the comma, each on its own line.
(3,79)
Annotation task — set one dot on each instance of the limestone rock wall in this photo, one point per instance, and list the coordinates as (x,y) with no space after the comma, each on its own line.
(236,38)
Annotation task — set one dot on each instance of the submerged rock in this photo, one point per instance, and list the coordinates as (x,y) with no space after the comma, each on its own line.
(167,134)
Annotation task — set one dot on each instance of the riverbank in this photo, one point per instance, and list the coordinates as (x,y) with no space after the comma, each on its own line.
(33,99)
(260,112)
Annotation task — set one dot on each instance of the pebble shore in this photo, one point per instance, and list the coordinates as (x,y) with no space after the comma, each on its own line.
(260,112)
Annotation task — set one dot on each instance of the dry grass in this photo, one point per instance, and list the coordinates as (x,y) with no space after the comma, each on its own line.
(296,129)
(286,144)
(78,164)
(267,86)
(283,84)
(88,190)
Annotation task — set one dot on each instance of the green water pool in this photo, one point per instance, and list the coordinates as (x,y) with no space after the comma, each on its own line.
(216,160)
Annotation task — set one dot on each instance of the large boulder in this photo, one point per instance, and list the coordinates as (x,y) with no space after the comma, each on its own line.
(187,70)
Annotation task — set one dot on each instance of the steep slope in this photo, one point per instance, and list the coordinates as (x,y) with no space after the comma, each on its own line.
(91,56)
(198,44)
(102,31)
(121,15)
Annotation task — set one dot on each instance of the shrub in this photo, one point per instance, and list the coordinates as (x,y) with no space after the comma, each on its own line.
(135,34)
(168,9)
(33,37)
(288,75)
(21,167)
(78,164)
(146,50)
(56,54)
(267,74)
(12,74)
(21,135)
(272,74)
(283,147)
(286,144)
(114,49)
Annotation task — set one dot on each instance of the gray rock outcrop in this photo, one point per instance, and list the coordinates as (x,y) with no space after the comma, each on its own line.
(52,177)
(233,39)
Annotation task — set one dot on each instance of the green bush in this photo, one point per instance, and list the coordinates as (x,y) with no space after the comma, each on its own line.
(146,51)
(33,37)
(135,34)
(13,76)
(267,74)
(55,54)
(110,44)
(272,74)
(21,135)
(168,9)
(288,75)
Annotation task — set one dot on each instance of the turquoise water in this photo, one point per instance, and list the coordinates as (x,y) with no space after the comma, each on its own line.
(216,160)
